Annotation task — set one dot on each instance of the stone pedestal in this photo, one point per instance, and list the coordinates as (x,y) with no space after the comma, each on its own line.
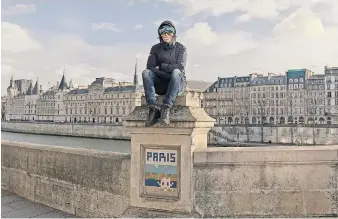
(161,157)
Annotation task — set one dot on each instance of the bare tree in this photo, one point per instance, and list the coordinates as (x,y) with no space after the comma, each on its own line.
(290,106)
(3,110)
(243,109)
(312,104)
(277,119)
(263,106)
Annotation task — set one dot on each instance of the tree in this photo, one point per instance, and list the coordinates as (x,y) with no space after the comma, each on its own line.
(243,109)
(312,104)
(290,105)
(262,105)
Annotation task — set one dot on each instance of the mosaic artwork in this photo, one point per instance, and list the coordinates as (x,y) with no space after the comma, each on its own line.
(161,172)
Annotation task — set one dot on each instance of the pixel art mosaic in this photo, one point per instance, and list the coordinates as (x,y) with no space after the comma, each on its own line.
(161,172)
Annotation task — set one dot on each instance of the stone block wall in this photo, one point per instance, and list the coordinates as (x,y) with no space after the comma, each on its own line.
(68,129)
(301,135)
(281,134)
(269,182)
(83,182)
(228,182)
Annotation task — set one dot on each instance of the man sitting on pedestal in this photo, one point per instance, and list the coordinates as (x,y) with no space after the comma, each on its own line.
(165,74)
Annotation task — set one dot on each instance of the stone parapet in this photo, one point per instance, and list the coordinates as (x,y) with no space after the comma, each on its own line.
(223,182)
(85,183)
(267,181)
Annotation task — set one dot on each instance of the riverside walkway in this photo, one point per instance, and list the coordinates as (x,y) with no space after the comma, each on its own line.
(14,206)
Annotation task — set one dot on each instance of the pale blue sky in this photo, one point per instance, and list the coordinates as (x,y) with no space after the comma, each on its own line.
(104,37)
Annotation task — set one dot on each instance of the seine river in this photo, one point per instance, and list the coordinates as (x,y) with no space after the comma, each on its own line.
(75,142)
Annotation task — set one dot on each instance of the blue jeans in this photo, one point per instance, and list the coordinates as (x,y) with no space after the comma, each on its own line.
(170,88)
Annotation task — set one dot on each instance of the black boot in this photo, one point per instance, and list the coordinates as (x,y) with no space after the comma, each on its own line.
(154,114)
(164,119)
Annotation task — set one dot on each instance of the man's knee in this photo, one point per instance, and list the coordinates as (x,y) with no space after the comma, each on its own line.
(146,73)
(176,73)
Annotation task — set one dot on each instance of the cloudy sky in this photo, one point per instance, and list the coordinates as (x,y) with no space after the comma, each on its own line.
(223,37)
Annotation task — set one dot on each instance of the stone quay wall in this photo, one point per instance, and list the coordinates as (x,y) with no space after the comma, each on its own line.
(282,134)
(107,131)
(271,181)
(302,135)
(86,183)
(229,182)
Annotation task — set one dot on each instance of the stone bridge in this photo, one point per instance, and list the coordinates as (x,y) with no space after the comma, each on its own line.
(171,173)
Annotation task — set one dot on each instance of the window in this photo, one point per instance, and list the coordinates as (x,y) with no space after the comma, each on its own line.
(291,81)
(328,94)
(290,86)
(296,86)
(296,80)
(301,80)
(301,86)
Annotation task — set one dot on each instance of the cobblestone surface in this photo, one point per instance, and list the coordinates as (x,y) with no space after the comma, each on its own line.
(14,206)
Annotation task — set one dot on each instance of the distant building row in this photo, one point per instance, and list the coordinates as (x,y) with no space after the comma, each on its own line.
(103,101)
(298,97)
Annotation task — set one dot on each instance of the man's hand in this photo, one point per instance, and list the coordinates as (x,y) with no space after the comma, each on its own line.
(164,66)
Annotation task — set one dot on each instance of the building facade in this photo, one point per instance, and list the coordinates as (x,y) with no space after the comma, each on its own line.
(297,97)
(3,108)
(331,88)
(22,99)
(103,101)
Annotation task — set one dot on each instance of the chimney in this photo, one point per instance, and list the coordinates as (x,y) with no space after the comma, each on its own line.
(269,75)
(57,84)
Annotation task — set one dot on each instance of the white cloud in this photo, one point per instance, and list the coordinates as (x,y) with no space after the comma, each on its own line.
(106,26)
(328,11)
(19,9)
(16,39)
(202,38)
(303,21)
(299,40)
(302,38)
(201,33)
(138,26)
(251,9)
(83,61)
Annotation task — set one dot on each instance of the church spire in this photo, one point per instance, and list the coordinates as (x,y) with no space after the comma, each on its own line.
(30,88)
(36,88)
(11,81)
(135,75)
(63,84)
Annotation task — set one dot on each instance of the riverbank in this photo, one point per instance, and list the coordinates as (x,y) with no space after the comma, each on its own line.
(219,135)
(103,131)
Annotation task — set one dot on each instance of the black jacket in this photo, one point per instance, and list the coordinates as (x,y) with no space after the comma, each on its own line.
(163,59)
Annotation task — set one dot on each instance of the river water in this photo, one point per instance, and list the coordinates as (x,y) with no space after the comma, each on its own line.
(75,142)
